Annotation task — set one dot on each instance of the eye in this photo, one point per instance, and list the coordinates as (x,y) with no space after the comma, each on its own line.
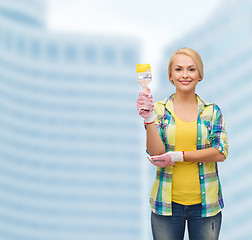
(177,69)
(192,69)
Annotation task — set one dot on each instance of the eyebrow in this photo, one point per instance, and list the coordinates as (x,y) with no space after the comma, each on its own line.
(188,66)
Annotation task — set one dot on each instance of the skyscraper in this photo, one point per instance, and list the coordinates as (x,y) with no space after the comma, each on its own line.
(225,44)
(69,145)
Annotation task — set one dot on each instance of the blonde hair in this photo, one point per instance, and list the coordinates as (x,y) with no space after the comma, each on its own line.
(191,53)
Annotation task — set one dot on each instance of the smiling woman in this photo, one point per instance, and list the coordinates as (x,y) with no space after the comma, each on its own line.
(189,57)
(186,138)
(185,69)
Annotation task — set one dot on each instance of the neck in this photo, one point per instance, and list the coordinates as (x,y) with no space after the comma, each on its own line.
(185,97)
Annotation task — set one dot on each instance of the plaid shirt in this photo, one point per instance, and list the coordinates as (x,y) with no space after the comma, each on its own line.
(210,133)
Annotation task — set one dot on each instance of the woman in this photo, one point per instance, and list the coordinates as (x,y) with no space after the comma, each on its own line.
(185,139)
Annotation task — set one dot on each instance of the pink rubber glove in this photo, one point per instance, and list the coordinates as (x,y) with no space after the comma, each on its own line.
(145,106)
(161,162)
(167,159)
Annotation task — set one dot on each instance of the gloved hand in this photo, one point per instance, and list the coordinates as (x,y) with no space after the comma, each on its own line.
(167,159)
(145,106)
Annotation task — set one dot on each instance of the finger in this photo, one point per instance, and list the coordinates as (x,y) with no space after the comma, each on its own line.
(158,158)
(146,94)
(171,163)
(145,106)
(144,98)
(152,162)
(144,113)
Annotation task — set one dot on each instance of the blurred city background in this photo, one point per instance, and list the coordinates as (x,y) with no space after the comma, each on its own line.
(72,162)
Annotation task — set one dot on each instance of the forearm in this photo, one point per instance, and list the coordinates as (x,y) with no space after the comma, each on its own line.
(204,155)
(154,143)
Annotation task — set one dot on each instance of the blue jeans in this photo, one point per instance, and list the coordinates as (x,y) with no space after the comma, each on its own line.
(173,227)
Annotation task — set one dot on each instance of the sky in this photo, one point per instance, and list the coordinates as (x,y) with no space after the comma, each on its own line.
(155,23)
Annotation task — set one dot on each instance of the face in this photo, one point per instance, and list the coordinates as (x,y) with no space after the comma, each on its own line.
(184,73)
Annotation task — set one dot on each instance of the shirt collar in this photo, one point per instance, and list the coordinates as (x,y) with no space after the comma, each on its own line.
(201,104)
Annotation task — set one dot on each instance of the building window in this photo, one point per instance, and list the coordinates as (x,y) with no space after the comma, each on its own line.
(52,51)
(109,55)
(129,57)
(8,40)
(1,36)
(21,45)
(35,48)
(71,53)
(90,54)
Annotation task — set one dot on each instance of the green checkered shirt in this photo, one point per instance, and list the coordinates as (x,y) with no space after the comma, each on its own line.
(210,133)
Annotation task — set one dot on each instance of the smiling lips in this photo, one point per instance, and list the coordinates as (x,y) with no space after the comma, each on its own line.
(185,82)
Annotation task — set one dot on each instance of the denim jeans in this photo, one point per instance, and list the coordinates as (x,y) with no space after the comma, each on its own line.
(173,227)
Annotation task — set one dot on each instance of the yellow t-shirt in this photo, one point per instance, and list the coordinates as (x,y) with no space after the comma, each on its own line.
(185,180)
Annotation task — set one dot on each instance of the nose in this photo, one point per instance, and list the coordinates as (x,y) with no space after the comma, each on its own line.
(185,74)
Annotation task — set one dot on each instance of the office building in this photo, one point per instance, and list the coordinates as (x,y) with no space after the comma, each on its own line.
(224,42)
(70,165)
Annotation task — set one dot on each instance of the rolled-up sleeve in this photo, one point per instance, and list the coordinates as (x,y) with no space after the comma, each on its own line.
(218,133)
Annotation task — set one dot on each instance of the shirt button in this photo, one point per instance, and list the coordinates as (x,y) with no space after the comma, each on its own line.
(199,124)
(198,138)
(201,177)
(200,163)
(203,192)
